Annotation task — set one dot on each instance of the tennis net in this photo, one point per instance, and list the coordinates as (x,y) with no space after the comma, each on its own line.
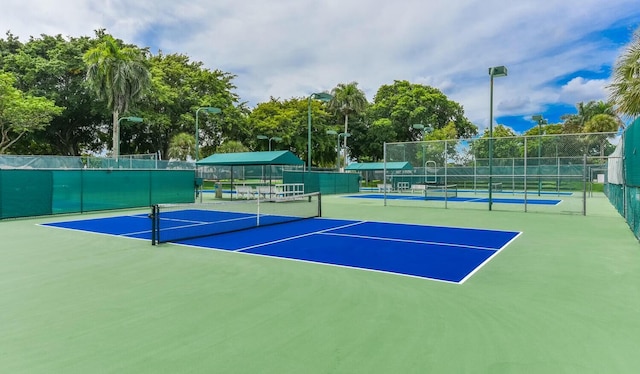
(440,191)
(174,222)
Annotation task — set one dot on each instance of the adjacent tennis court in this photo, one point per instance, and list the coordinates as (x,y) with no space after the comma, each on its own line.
(449,254)
(459,199)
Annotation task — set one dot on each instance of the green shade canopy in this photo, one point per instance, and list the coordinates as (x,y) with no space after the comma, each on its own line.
(252,158)
(367,166)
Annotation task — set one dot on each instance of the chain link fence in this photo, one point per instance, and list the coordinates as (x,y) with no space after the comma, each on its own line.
(145,161)
(623,177)
(546,173)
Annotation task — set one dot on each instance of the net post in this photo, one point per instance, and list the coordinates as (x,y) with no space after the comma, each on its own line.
(258,211)
(154,214)
(445,193)
(319,204)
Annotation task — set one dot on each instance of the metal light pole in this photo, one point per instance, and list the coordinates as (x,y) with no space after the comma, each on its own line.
(344,136)
(333,132)
(264,137)
(207,109)
(322,96)
(541,121)
(116,131)
(496,71)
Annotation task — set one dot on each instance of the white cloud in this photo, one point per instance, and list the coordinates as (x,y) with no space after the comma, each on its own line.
(515,104)
(580,89)
(290,48)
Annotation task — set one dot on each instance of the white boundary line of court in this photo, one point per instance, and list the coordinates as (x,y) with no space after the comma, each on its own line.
(48,225)
(444,244)
(328,232)
(322,232)
(489,259)
(298,236)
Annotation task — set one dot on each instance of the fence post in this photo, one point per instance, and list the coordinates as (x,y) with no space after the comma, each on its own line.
(446,156)
(584,184)
(524,174)
(384,173)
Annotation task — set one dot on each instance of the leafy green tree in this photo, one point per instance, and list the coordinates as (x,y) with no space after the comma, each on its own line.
(406,104)
(549,145)
(276,118)
(447,132)
(182,146)
(347,100)
(505,144)
(9,46)
(20,113)
(602,123)
(288,120)
(52,67)
(179,87)
(371,146)
(625,89)
(120,75)
(232,146)
(575,123)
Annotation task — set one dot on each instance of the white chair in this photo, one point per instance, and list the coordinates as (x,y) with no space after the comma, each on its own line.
(244,192)
(384,187)
(265,191)
(418,187)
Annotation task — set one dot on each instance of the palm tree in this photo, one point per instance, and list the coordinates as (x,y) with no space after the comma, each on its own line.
(181,146)
(575,123)
(347,99)
(118,74)
(625,89)
(232,146)
(602,123)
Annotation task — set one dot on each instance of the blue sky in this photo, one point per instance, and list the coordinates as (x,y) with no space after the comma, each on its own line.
(558,52)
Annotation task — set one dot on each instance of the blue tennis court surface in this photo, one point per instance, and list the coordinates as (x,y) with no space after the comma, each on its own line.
(448,254)
(500,200)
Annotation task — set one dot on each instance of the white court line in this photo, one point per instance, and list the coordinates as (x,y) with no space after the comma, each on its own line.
(326,232)
(90,232)
(475,200)
(444,244)
(278,258)
(489,259)
(200,223)
(299,236)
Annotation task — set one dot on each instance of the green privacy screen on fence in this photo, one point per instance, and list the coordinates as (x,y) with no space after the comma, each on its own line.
(324,182)
(623,177)
(632,154)
(26,193)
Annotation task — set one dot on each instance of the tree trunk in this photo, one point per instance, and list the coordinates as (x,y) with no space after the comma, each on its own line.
(116,136)
(344,144)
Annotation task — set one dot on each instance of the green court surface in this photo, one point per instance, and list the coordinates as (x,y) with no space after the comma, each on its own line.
(562,298)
